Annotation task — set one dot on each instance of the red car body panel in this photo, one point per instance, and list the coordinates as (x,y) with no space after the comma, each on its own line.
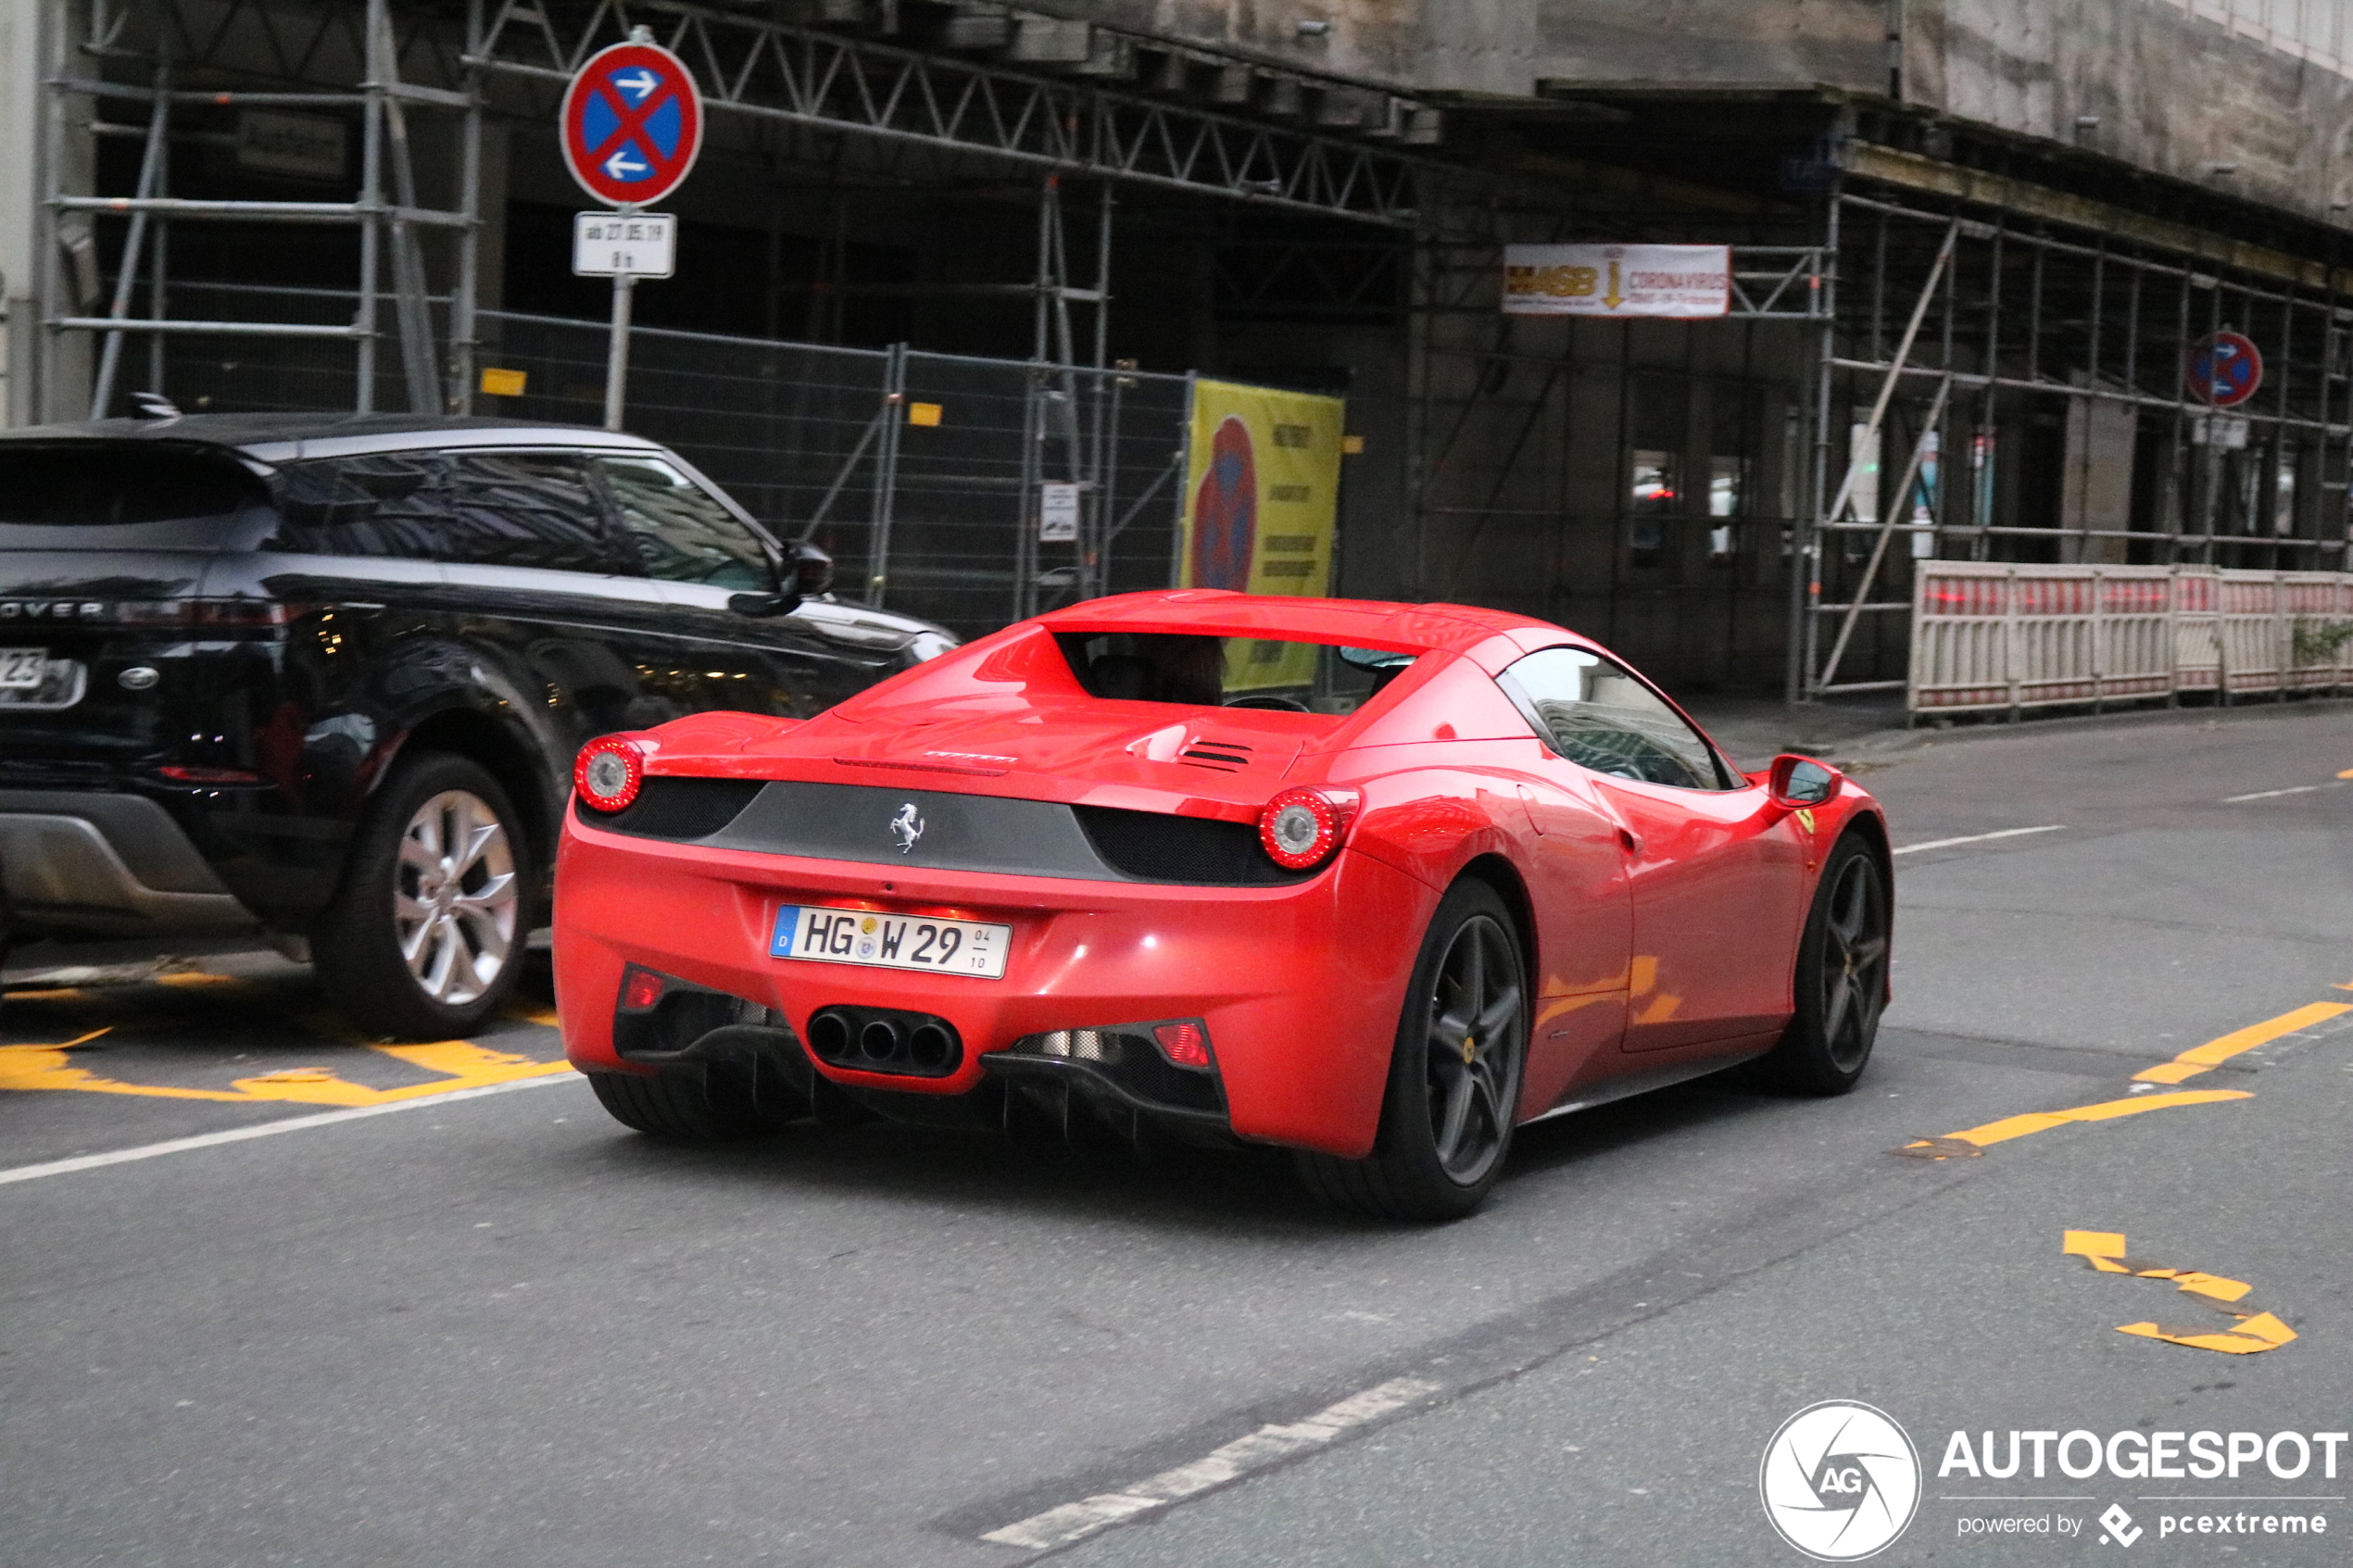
(1661,923)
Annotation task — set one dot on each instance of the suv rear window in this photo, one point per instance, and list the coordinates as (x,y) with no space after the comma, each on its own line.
(102,485)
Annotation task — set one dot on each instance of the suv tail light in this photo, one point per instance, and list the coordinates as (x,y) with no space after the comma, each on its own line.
(1300,828)
(226,612)
(608,771)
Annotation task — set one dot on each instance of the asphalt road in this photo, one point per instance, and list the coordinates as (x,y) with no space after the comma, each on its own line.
(493,1327)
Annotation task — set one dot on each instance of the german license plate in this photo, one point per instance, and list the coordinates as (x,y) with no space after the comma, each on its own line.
(879,941)
(22,669)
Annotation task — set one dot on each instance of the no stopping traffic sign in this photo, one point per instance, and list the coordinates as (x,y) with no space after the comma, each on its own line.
(2224,369)
(632,124)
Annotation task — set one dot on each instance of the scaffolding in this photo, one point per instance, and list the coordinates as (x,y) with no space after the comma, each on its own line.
(160,36)
(2053,359)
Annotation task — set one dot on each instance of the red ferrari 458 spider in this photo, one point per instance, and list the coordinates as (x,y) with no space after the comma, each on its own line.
(1373,881)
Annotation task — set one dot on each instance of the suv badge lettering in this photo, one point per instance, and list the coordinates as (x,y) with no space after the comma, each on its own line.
(51,610)
(907,827)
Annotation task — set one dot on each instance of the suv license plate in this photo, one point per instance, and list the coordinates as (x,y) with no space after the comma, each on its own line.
(22,669)
(881,941)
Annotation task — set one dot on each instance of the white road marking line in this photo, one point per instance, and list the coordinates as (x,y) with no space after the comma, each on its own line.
(1076,1521)
(263,1130)
(2274,794)
(1975,838)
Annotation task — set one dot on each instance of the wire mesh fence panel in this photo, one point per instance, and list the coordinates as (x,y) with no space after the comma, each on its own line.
(971,545)
(919,473)
(788,429)
(1143,479)
(211,372)
(922,474)
(960,550)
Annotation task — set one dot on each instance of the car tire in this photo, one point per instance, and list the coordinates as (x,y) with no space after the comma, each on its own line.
(1453,1077)
(684,1105)
(426,934)
(1840,987)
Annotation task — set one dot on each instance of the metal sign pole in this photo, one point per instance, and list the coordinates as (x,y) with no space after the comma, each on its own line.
(616,350)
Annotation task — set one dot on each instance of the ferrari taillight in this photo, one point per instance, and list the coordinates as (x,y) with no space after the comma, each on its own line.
(1300,827)
(608,772)
(641,990)
(1185,1043)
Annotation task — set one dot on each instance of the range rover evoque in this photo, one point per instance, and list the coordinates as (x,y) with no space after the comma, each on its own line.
(321,678)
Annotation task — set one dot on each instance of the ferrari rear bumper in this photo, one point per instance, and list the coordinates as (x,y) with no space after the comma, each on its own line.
(1297,987)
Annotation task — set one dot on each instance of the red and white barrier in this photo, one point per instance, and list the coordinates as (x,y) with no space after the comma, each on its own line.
(1991,634)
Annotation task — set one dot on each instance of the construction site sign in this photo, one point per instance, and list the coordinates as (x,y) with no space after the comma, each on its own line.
(1261,487)
(1686,282)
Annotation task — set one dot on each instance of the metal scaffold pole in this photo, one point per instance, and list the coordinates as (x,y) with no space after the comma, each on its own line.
(384,211)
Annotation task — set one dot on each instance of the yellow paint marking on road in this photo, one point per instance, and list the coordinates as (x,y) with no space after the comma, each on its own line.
(2206,1057)
(2102,1249)
(197,977)
(2347,773)
(2252,1332)
(464,1064)
(2044,1121)
(49,1067)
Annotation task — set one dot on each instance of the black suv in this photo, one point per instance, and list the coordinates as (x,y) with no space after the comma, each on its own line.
(321,677)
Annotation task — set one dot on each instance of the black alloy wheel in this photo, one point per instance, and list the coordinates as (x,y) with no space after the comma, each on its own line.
(1841,984)
(1455,1073)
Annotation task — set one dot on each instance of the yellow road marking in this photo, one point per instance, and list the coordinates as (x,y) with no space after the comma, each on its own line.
(467,1066)
(1972,1139)
(2206,1057)
(2347,774)
(2253,1332)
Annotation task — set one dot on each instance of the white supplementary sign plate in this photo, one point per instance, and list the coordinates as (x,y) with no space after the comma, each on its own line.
(930,943)
(1683,281)
(22,669)
(636,244)
(1057,513)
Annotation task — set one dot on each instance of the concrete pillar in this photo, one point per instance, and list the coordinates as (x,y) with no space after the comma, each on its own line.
(23,48)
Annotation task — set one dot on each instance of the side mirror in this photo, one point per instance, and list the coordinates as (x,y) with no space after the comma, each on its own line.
(808,570)
(1801,780)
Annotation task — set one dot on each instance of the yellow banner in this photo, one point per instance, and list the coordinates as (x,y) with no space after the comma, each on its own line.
(1262,491)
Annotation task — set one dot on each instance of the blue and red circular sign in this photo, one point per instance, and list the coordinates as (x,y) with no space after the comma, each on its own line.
(632,124)
(1226,512)
(2224,370)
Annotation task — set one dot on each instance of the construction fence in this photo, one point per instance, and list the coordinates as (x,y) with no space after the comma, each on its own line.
(920,473)
(1992,636)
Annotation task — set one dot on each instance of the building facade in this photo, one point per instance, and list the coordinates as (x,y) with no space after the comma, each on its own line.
(1986,255)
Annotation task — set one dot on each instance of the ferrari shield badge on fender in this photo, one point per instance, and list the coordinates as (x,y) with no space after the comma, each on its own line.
(1804,818)
(907,827)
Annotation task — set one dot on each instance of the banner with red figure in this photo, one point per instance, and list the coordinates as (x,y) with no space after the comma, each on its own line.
(1261,487)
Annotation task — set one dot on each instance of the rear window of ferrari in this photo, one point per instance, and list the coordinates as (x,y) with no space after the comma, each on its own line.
(1212,671)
